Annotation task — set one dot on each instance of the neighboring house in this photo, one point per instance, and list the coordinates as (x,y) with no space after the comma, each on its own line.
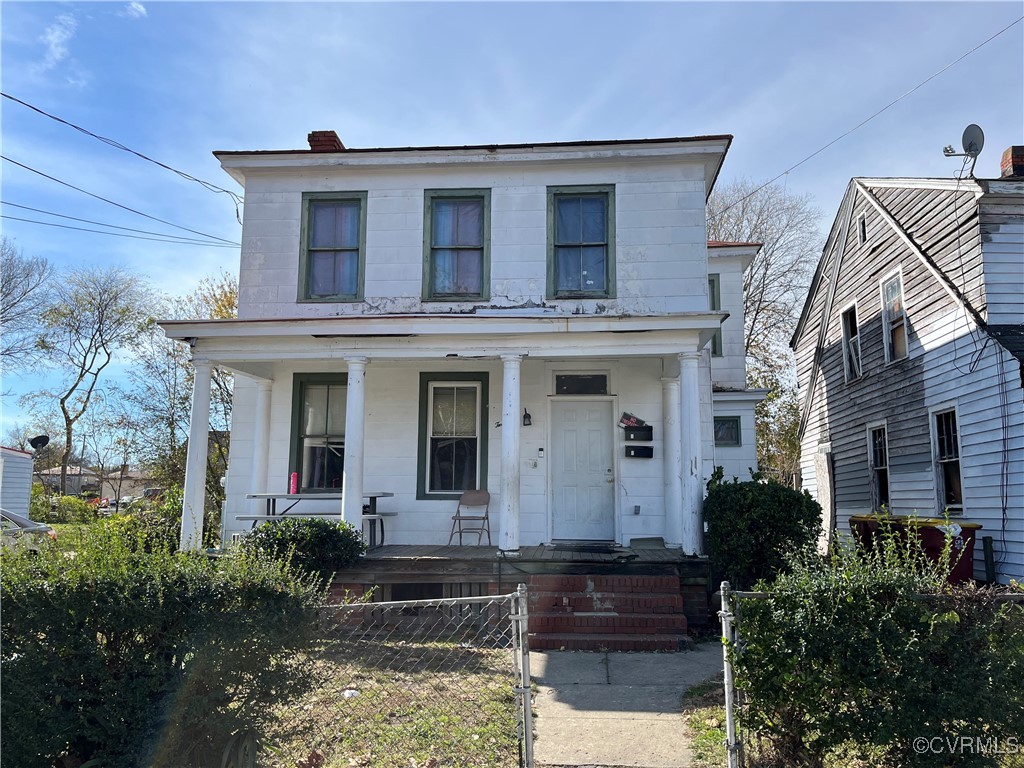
(79,480)
(909,355)
(424,321)
(15,480)
(118,484)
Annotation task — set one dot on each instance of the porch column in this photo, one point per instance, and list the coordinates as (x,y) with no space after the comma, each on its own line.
(355,429)
(194,493)
(508,538)
(692,460)
(673,463)
(260,443)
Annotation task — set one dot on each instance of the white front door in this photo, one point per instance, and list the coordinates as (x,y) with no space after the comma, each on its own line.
(582,470)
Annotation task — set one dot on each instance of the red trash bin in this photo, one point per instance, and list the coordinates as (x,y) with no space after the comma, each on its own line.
(932,533)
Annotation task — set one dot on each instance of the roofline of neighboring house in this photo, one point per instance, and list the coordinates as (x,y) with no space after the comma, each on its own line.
(336,156)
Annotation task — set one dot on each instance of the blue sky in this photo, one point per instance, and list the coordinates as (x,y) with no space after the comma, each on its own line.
(177,80)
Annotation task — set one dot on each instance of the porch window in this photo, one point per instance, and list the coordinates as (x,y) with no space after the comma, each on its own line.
(453,445)
(581,384)
(318,442)
(894,319)
(581,242)
(851,344)
(947,462)
(331,257)
(456,224)
(878,455)
(727,431)
(715,304)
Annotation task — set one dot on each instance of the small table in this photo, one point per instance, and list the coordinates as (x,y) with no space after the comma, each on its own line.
(373,517)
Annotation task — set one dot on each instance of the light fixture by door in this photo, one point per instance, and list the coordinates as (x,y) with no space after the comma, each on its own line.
(527,418)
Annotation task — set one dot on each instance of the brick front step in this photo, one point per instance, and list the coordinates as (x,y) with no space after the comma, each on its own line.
(607,583)
(605,623)
(608,642)
(621,602)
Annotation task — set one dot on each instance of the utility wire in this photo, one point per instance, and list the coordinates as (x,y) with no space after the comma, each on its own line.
(102,224)
(869,119)
(118,145)
(125,207)
(175,241)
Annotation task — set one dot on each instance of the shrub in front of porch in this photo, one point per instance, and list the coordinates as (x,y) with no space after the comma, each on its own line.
(752,526)
(317,546)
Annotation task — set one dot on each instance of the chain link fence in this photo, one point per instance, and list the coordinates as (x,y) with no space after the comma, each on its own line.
(413,684)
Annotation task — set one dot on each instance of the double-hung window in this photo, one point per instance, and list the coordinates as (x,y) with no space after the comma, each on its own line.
(453,444)
(894,319)
(851,344)
(715,304)
(332,254)
(878,456)
(456,262)
(581,242)
(947,462)
(318,431)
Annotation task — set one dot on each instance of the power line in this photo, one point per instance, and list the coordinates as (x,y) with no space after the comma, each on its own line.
(102,224)
(872,117)
(174,241)
(125,207)
(118,145)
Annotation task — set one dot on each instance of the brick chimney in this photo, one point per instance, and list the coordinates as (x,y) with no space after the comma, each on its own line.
(325,141)
(1012,164)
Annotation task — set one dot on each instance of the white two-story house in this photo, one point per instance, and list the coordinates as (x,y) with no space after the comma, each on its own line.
(426,320)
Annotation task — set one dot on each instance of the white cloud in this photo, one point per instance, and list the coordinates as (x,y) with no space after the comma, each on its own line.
(134,10)
(56,37)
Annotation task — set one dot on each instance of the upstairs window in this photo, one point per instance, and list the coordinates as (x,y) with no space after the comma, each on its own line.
(715,304)
(894,319)
(878,455)
(318,431)
(947,462)
(851,344)
(331,259)
(456,262)
(581,242)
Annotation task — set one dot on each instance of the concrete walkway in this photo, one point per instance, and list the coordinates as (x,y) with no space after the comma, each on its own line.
(612,710)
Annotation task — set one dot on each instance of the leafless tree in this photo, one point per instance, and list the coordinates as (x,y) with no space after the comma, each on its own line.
(25,294)
(774,288)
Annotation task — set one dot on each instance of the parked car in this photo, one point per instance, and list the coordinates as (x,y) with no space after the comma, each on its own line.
(153,495)
(21,533)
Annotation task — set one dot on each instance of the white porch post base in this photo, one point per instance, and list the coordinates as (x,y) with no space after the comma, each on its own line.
(508,537)
(194,492)
(673,463)
(693,463)
(355,431)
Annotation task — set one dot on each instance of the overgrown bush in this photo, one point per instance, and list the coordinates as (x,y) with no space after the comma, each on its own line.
(312,544)
(862,653)
(753,526)
(123,658)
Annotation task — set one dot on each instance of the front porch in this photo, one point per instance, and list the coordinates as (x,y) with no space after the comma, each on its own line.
(641,597)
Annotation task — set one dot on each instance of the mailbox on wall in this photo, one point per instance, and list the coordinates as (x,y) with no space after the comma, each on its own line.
(640,451)
(642,434)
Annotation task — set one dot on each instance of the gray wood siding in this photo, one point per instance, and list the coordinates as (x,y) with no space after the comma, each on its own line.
(949,361)
(1001,222)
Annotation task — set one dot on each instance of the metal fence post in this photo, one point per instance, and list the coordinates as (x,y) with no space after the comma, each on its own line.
(732,745)
(520,637)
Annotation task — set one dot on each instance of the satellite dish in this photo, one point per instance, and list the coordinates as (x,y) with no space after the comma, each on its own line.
(40,441)
(973,140)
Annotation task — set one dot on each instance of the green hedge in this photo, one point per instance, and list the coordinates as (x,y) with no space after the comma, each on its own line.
(753,526)
(315,545)
(853,657)
(121,658)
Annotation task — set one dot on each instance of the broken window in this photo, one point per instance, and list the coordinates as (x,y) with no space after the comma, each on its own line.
(851,344)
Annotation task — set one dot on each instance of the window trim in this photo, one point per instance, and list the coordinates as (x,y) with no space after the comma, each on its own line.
(715,305)
(422,452)
(339,197)
(299,381)
(608,190)
(429,195)
(872,467)
(887,323)
(847,340)
(933,414)
(739,431)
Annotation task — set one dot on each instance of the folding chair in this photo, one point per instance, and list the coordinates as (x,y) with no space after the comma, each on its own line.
(469,519)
